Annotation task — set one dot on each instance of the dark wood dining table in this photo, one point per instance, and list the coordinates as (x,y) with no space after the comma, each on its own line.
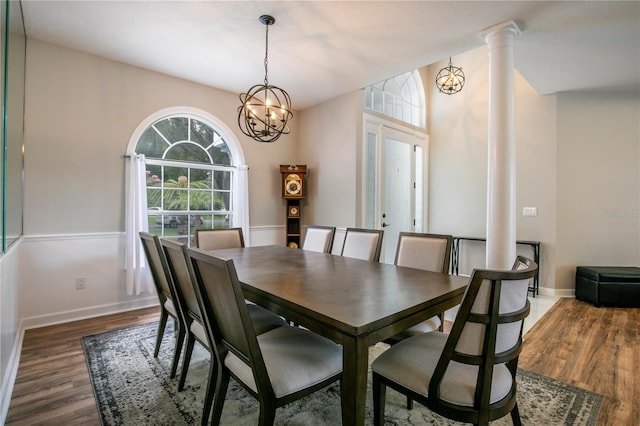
(355,303)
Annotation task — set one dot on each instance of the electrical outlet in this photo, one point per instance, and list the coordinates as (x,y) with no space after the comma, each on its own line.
(81,282)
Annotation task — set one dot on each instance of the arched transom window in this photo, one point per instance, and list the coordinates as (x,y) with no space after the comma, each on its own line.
(400,97)
(190,176)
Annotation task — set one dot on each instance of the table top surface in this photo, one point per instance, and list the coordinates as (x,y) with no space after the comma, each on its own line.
(353,296)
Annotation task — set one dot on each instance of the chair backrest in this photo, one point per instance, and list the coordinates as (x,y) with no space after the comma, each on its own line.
(158,266)
(365,244)
(178,265)
(486,339)
(215,239)
(430,252)
(319,238)
(225,314)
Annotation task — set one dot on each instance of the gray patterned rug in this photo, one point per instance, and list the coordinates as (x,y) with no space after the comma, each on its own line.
(133,388)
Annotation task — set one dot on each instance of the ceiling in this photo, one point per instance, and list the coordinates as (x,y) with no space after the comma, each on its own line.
(322,49)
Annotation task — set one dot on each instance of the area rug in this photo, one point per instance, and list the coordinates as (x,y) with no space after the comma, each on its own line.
(133,388)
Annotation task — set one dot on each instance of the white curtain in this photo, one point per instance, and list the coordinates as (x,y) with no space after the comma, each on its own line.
(138,278)
(241,209)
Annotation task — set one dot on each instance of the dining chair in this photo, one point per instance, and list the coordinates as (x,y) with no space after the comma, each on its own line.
(178,264)
(166,296)
(429,252)
(468,375)
(187,304)
(276,367)
(215,239)
(319,238)
(365,244)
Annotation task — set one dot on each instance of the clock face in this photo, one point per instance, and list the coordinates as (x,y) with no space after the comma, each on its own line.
(293,187)
(293,184)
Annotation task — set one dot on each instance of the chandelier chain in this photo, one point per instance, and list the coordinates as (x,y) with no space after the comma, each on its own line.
(266,57)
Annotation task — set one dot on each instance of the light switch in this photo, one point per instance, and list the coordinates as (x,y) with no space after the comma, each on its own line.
(529,211)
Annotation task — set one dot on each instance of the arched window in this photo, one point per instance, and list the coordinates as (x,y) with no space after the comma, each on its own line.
(400,97)
(192,167)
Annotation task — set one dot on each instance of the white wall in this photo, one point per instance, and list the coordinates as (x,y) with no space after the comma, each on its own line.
(598,182)
(49,267)
(330,146)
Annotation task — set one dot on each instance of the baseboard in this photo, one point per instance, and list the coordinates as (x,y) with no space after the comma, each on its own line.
(10,375)
(90,312)
(557,292)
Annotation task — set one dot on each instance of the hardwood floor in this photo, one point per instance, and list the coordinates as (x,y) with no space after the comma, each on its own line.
(52,385)
(594,348)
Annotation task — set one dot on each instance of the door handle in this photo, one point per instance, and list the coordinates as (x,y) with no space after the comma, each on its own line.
(384,225)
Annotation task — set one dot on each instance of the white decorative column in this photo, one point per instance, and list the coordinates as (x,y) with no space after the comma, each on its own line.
(501,182)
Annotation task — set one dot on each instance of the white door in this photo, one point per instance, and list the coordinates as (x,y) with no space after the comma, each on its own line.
(395,181)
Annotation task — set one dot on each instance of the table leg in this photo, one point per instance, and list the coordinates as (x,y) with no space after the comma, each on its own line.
(355,362)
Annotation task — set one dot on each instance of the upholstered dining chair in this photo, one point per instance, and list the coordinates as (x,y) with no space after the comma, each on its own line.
(166,295)
(178,264)
(468,375)
(186,301)
(215,239)
(319,238)
(429,252)
(276,367)
(365,244)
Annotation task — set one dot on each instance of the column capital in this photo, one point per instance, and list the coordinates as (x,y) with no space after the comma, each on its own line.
(508,28)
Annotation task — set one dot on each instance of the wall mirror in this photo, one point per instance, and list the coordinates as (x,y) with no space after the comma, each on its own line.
(12,127)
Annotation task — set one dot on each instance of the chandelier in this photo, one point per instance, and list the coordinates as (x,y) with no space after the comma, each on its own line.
(450,79)
(265,109)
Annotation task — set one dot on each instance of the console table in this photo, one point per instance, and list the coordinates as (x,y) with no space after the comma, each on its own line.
(535,246)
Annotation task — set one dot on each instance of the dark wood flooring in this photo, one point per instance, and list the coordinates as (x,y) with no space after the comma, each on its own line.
(594,348)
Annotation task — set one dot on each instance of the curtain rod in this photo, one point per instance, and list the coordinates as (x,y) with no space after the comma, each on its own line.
(233,167)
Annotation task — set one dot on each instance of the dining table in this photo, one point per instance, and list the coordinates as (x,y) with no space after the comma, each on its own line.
(355,303)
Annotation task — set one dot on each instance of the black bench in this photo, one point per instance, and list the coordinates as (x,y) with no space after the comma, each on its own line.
(608,285)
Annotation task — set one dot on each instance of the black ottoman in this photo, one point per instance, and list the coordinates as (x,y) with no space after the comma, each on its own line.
(608,285)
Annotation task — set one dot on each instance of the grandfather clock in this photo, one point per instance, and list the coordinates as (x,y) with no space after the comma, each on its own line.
(293,190)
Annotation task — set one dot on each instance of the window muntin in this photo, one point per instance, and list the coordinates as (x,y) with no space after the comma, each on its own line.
(400,97)
(189,177)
